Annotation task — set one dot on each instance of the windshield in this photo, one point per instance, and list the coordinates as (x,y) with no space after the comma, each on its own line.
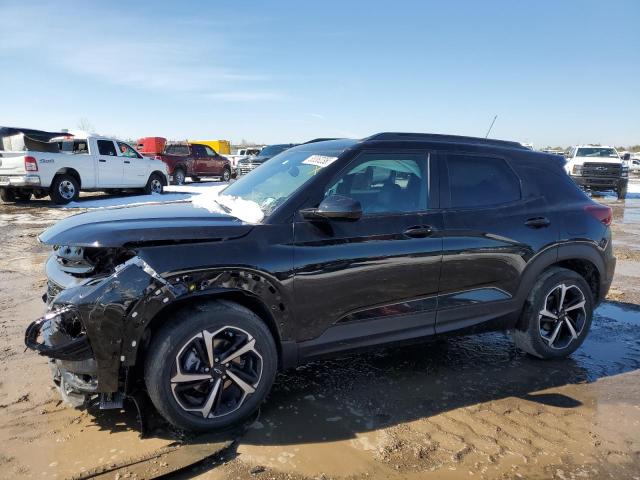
(270,185)
(597,152)
(273,150)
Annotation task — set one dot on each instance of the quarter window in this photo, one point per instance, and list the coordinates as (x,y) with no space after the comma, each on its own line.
(476,181)
(385,183)
(106,147)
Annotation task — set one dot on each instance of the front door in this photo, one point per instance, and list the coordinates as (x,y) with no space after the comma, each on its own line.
(203,163)
(376,279)
(109,165)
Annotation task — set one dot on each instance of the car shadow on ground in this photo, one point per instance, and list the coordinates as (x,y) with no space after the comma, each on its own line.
(337,399)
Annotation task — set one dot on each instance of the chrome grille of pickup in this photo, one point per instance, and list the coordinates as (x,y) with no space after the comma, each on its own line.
(53,289)
(592,169)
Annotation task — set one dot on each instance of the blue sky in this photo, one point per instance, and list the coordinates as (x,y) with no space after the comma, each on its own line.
(555,72)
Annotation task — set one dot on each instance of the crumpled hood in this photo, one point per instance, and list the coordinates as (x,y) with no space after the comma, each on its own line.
(158,223)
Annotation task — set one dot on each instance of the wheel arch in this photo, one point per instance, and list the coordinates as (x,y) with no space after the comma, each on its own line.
(70,171)
(240,297)
(162,175)
(584,258)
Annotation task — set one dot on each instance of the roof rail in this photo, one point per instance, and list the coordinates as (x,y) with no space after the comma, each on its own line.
(434,137)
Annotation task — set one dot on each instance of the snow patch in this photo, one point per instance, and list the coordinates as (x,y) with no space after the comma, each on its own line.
(245,210)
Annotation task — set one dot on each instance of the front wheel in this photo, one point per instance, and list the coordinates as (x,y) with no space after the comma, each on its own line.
(226,174)
(64,189)
(557,315)
(155,184)
(622,192)
(211,366)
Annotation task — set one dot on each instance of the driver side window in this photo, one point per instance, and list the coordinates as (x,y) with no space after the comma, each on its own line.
(385,182)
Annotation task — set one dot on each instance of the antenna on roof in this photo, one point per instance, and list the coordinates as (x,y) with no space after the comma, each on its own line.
(491,126)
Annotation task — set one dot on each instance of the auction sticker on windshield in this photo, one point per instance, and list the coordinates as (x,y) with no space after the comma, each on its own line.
(319,160)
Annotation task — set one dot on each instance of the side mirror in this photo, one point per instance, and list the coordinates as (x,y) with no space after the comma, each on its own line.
(335,207)
(626,157)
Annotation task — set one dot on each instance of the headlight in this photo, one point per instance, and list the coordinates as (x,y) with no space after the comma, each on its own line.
(577,170)
(625,171)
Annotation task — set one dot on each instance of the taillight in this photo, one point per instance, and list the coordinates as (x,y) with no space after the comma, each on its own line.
(603,213)
(30,164)
(157,157)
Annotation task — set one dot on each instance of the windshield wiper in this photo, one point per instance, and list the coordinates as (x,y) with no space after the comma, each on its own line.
(224,207)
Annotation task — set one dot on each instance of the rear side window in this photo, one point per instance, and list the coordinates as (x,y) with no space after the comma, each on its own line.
(476,181)
(106,147)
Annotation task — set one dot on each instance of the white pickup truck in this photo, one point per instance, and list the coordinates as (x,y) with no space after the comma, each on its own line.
(597,167)
(61,165)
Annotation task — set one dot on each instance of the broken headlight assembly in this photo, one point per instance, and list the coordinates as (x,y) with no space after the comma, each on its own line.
(59,335)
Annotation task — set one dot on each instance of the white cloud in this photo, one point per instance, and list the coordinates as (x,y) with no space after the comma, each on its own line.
(123,48)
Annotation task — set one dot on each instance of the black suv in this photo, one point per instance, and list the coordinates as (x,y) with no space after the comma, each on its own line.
(327,247)
(251,163)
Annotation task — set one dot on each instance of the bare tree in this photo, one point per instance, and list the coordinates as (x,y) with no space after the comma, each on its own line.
(85,125)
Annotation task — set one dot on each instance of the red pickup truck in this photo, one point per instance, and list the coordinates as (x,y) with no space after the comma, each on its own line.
(194,160)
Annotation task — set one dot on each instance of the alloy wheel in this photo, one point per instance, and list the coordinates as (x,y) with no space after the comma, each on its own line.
(66,189)
(179,177)
(563,316)
(215,372)
(156,186)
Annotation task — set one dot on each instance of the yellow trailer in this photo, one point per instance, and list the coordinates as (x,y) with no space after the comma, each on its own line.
(223,147)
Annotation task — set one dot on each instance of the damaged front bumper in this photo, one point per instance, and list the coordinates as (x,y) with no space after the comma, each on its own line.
(87,329)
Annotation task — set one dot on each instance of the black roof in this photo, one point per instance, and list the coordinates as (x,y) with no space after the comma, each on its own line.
(434,137)
(39,135)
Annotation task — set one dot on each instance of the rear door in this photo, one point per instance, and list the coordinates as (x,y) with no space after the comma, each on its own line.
(134,167)
(491,231)
(375,279)
(110,167)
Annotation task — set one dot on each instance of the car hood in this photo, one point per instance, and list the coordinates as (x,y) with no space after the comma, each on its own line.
(598,160)
(145,224)
(256,159)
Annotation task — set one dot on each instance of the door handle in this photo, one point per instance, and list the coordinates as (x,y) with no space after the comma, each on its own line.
(419,231)
(537,222)
(102,160)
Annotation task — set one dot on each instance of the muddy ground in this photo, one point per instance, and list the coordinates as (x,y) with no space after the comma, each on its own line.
(450,408)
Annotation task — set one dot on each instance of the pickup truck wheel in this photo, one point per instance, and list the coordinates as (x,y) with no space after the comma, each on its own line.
(179,176)
(622,192)
(557,315)
(64,189)
(226,174)
(155,184)
(211,366)
(7,195)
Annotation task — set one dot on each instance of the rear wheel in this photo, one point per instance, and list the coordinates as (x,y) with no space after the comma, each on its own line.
(179,176)
(557,315)
(7,195)
(211,366)
(64,189)
(155,184)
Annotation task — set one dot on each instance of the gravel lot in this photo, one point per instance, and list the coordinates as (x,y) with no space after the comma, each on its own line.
(451,408)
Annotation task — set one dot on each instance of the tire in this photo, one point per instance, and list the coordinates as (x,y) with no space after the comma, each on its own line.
(23,196)
(179,176)
(7,195)
(622,192)
(173,342)
(226,174)
(155,184)
(539,334)
(64,189)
